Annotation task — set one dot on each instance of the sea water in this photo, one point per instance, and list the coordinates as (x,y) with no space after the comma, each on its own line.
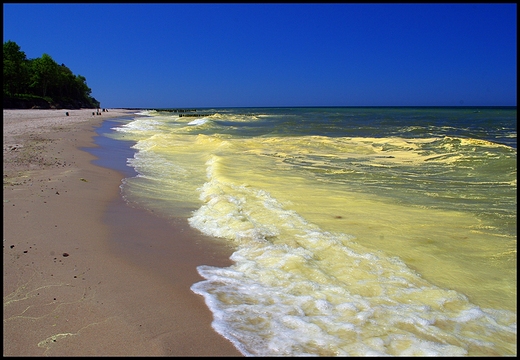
(356,231)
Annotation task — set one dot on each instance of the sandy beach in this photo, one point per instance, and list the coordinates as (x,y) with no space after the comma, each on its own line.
(84,273)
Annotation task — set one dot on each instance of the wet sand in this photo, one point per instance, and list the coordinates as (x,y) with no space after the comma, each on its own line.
(85,273)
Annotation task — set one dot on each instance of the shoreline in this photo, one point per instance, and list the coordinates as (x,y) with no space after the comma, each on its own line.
(84,272)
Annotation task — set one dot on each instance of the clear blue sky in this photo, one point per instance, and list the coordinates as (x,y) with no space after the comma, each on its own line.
(233,55)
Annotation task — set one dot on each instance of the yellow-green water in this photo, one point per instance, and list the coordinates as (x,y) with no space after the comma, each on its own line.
(364,242)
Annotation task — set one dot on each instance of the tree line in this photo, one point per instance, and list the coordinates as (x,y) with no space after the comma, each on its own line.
(42,83)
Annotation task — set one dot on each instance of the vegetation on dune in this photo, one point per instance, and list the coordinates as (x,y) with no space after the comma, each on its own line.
(42,83)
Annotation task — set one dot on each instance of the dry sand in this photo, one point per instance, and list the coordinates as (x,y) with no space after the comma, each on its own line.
(84,273)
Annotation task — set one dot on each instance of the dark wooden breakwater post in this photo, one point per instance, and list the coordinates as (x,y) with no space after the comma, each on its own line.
(195,115)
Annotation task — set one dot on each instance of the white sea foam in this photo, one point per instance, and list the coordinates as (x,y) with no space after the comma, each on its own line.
(297,290)
(198,122)
(146,112)
(300,285)
(140,124)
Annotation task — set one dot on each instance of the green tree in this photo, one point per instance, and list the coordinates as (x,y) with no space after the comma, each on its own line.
(83,91)
(42,79)
(65,82)
(44,74)
(15,70)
